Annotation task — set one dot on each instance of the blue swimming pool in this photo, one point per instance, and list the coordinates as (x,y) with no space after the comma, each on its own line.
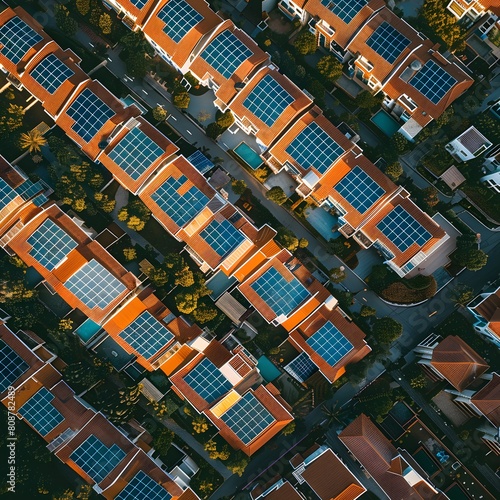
(248,155)
(87,330)
(386,123)
(267,369)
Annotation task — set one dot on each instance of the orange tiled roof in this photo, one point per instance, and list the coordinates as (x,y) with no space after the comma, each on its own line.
(457,362)
(343,31)
(489,309)
(138,15)
(180,52)
(267,134)
(284,491)
(487,400)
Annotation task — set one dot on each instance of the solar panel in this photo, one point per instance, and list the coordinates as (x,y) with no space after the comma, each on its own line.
(267,100)
(50,244)
(12,366)
(223,237)
(387,42)
(313,147)
(433,82)
(181,208)
(200,162)
(208,381)
(146,335)
(7,194)
(141,486)
(90,114)
(247,418)
(179,18)
(402,229)
(280,295)
(226,53)
(16,38)
(329,343)
(96,459)
(359,189)
(135,153)
(40,412)
(345,9)
(301,368)
(28,189)
(51,72)
(94,285)
(139,3)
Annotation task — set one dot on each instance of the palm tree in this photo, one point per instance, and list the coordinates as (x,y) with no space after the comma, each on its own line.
(32,141)
(334,414)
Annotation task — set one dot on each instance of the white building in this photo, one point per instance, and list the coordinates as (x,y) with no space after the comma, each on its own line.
(468,145)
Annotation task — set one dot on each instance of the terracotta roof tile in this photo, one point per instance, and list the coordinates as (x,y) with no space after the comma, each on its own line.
(136,14)
(487,400)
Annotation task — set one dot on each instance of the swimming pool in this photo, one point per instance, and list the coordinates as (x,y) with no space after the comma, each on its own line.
(87,330)
(248,155)
(267,369)
(386,123)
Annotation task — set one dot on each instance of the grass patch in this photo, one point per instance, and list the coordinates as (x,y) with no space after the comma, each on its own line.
(484,198)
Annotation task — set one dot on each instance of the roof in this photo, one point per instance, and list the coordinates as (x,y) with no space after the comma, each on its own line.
(487,400)
(91,115)
(307,140)
(452,177)
(489,309)
(344,26)
(137,10)
(400,212)
(472,140)
(278,489)
(136,152)
(205,65)
(330,479)
(188,22)
(269,90)
(458,363)
(382,461)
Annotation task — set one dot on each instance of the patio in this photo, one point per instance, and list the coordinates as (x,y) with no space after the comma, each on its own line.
(283,180)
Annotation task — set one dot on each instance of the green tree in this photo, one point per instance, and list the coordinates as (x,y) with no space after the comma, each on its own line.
(178,268)
(181,99)
(419,382)
(105,24)
(394,170)
(130,253)
(238,186)
(237,463)
(399,142)
(305,43)
(430,196)
(32,141)
(330,67)
(135,51)
(337,275)
(443,23)
(83,6)
(186,302)
(289,428)
(467,253)
(225,120)
(200,424)
(135,214)
(204,313)
(462,295)
(120,407)
(367,311)
(64,21)
(387,330)
(103,201)
(65,325)
(163,440)
(137,65)
(159,114)
(12,120)
(213,130)
(367,100)
(489,126)
(80,376)
(303,243)
(287,239)
(277,195)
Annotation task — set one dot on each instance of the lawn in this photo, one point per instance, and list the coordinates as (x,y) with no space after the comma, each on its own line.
(484,198)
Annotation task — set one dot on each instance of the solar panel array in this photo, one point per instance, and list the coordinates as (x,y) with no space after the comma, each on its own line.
(226,53)
(141,486)
(301,368)
(267,100)
(51,72)
(90,113)
(12,366)
(247,418)
(180,208)
(313,147)
(7,194)
(279,294)
(28,189)
(94,285)
(50,244)
(200,162)
(40,412)
(359,189)
(433,82)
(403,229)
(146,335)
(208,381)
(329,343)
(387,42)
(135,153)
(17,38)
(96,459)
(179,18)
(139,3)
(345,9)
(223,237)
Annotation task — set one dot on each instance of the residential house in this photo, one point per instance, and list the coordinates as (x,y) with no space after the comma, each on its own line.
(492,163)
(472,9)
(134,13)
(468,145)
(486,310)
(294,9)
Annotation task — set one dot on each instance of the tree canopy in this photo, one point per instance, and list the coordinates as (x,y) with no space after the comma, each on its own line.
(287,239)
(64,20)
(181,99)
(387,330)
(394,170)
(367,100)
(330,67)
(467,253)
(305,43)
(443,23)
(277,195)
(135,214)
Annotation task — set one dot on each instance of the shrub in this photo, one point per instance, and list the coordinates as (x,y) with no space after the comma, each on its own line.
(105,23)
(394,170)
(159,113)
(305,43)
(367,311)
(287,239)
(399,293)
(225,120)
(367,100)
(277,195)
(387,330)
(239,186)
(181,99)
(213,130)
(330,67)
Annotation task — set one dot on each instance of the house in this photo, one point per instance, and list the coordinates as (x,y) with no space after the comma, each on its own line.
(486,310)
(468,145)
(176,27)
(472,9)
(325,474)
(294,9)
(394,470)
(450,359)
(276,489)
(133,13)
